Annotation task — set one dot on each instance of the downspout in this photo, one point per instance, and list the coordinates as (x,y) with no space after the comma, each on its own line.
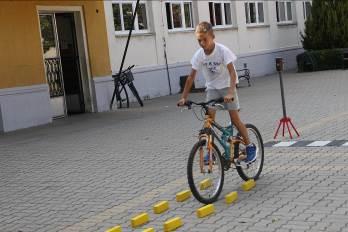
(165,53)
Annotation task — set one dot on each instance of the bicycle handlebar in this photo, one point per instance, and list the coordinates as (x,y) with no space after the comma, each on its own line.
(204,104)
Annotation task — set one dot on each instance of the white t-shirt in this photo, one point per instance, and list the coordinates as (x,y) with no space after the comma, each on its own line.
(214,66)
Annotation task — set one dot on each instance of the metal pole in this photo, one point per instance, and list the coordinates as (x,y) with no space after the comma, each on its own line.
(279,67)
(282,93)
(126,49)
(165,57)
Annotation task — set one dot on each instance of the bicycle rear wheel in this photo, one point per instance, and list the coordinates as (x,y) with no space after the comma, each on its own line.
(205,181)
(123,89)
(135,93)
(252,170)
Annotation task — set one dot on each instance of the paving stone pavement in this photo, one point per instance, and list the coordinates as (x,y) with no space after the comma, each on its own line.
(94,171)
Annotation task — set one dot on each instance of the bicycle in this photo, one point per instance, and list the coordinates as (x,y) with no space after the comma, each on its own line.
(206,165)
(121,80)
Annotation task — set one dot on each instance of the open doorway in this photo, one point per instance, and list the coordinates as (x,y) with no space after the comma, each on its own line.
(65,63)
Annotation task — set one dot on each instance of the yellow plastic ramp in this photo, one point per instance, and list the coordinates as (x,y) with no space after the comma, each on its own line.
(231,197)
(115,229)
(247,185)
(172,224)
(205,210)
(161,207)
(139,220)
(149,230)
(205,184)
(183,196)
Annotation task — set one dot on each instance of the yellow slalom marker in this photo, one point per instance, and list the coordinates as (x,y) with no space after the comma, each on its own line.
(205,184)
(139,220)
(115,229)
(246,186)
(161,207)
(182,196)
(231,197)
(172,224)
(205,210)
(149,230)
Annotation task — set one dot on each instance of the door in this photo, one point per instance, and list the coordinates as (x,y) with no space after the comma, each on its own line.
(69,56)
(62,64)
(52,62)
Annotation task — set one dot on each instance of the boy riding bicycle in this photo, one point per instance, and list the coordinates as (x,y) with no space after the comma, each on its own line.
(216,62)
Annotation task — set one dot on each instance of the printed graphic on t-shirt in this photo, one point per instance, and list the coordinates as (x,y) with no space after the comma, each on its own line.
(213,66)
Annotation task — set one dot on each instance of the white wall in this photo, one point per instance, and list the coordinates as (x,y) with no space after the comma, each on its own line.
(255,45)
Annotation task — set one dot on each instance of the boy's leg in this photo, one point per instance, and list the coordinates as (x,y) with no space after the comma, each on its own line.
(250,149)
(235,119)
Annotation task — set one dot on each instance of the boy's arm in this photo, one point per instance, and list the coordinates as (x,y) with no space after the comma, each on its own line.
(188,84)
(233,80)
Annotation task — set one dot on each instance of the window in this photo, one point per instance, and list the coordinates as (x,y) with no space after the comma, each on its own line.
(284,11)
(307,6)
(220,13)
(254,12)
(179,15)
(123,13)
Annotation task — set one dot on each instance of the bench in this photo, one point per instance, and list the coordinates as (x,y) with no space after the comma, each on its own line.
(244,74)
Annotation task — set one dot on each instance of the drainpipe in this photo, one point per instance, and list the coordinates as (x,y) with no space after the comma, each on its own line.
(165,58)
(165,52)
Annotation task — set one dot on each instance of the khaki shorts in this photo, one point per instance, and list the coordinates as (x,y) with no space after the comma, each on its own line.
(218,93)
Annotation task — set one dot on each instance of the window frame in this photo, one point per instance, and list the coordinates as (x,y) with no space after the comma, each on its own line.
(257,23)
(305,13)
(183,18)
(136,29)
(286,21)
(223,15)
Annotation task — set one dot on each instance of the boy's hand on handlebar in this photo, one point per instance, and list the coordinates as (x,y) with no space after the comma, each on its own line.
(181,102)
(228,98)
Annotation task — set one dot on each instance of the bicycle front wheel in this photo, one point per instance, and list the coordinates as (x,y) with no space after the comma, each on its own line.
(252,170)
(205,172)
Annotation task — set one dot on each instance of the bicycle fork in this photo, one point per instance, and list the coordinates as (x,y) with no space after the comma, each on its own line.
(208,139)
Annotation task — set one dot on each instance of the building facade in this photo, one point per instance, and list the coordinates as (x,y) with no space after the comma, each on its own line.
(57,57)
(40,41)
(163,37)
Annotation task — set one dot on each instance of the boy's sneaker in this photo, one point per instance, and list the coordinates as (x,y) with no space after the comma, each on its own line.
(251,153)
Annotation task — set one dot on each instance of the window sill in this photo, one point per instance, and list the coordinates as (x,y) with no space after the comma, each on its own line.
(225,28)
(135,34)
(284,24)
(257,25)
(181,31)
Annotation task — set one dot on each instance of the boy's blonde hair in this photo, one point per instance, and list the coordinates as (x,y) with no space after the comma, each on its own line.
(204,27)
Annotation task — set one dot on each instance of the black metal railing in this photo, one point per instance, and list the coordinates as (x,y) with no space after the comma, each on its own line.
(54,77)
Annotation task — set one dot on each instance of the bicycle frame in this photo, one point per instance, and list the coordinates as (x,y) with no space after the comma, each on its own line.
(226,140)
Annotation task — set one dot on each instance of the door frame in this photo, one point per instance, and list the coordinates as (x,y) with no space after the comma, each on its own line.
(84,63)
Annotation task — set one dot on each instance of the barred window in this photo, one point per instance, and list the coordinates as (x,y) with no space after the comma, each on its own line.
(254,12)
(284,11)
(220,13)
(179,15)
(123,13)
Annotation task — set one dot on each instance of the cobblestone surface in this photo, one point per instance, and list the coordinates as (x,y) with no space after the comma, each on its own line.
(94,171)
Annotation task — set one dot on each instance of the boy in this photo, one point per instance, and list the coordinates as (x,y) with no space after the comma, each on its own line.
(216,62)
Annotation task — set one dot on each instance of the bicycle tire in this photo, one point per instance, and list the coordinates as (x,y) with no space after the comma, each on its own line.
(260,155)
(190,175)
(120,101)
(135,93)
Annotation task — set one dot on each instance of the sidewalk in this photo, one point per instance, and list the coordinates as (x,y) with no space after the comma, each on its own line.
(93,171)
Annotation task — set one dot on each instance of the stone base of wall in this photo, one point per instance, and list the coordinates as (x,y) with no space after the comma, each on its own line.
(24,107)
